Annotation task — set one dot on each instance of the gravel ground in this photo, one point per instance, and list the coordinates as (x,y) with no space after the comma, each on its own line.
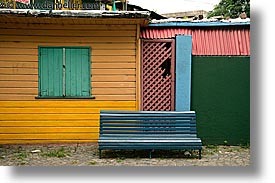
(87,155)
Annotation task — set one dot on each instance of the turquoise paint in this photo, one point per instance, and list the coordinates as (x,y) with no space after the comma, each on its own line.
(114,5)
(56,72)
(183,72)
(221,98)
(71,65)
(50,72)
(77,72)
(86,74)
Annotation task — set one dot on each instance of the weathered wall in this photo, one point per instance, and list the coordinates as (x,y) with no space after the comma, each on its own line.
(24,119)
(221,98)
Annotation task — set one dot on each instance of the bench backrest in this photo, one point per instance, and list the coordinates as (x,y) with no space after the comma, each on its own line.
(148,122)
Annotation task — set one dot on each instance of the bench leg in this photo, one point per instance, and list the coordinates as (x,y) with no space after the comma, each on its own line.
(99,154)
(150,153)
(200,154)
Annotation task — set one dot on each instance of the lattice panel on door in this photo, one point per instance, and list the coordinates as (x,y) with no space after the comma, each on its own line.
(157,75)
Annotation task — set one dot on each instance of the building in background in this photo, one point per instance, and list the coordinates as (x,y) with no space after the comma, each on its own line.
(198,14)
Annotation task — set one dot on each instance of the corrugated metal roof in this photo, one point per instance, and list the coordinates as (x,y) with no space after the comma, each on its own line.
(164,33)
(198,23)
(208,41)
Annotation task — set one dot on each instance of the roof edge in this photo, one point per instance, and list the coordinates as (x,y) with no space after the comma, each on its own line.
(198,24)
(76,13)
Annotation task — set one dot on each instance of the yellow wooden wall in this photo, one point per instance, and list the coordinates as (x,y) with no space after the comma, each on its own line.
(24,119)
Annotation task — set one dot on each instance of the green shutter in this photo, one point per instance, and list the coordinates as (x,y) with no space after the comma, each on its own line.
(77,72)
(86,72)
(64,72)
(50,72)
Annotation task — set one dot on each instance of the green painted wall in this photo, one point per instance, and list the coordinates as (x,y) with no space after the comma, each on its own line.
(221,98)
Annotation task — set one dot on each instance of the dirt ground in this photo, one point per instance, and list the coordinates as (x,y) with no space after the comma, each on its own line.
(87,155)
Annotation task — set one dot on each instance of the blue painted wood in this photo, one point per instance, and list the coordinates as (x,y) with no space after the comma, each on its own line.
(183,72)
(152,145)
(153,113)
(147,119)
(197,147)
(137,124)
(150,136)
(167,128)
(126,114)
(147,130)
(198,24)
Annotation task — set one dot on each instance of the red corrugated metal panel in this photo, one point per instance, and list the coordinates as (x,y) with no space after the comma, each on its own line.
(221,42)
(208,41)
(163,33)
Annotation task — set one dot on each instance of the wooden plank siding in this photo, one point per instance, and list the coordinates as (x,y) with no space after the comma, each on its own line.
(114,56)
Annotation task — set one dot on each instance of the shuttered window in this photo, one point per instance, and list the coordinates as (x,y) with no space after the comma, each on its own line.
(64,72)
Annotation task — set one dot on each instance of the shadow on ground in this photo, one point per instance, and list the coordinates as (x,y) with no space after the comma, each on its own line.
(123,154)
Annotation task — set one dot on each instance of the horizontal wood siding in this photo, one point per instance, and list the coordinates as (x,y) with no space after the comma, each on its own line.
(113,57)
(54,121)
(24,119)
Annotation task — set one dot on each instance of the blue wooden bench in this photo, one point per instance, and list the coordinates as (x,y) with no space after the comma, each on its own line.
(147,130)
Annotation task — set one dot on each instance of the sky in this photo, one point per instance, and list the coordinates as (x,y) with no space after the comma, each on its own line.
(170,6)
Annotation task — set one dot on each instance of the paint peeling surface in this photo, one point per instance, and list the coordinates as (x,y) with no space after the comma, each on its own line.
(206,41)
(76,13)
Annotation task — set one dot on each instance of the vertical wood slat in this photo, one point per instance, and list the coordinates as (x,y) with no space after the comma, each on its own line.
(50,77)
(64,72)
(183,72)
(77,71)
(138,68)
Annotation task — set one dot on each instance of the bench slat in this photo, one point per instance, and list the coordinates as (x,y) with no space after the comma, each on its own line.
(197,147)
(145,138)
(148,124)
(148,132)
(150,129)
(152,145)
(148,135)
(104,112)
(146,120)
(150,140)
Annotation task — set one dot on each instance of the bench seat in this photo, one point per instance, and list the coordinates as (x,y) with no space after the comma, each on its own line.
(143,130)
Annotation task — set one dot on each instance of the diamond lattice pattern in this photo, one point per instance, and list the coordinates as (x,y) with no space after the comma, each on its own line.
(156,76)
